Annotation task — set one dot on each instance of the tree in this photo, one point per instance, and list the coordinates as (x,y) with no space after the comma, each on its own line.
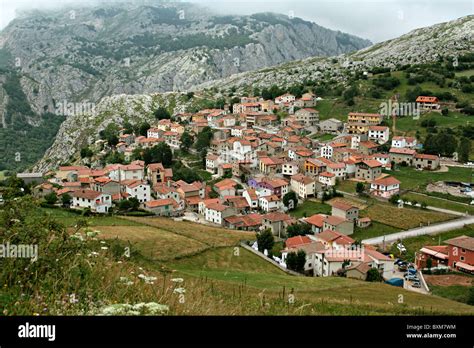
(127,127)
(394,199)
(429,264)
(296,261)
(204,139)
(129,204)
(186,141)
(445,111)
(160,153)
(290,200)
(470,299)
(373,275)
(161,113)
(66,199)
(265,240)
(298,230)
(360,187)
(51,198)
(143,129)
(464,149)
(86,152)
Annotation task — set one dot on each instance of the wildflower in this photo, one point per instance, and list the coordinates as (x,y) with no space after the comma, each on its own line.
(177,280)
(179,291)
(104,248)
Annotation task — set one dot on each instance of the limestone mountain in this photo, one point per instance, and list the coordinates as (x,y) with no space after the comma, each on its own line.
(83,54)
(423,45)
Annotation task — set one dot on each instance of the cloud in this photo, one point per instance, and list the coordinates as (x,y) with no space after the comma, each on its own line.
(376,20)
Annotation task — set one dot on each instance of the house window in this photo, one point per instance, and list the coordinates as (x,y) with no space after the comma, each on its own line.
(462,258)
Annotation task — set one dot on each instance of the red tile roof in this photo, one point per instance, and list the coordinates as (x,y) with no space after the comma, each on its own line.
(297,240)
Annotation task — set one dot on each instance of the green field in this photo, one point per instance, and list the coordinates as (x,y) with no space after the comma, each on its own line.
(310,207)
(458,293)
(206,264)
(376,229)
(69,219)
(347,186)
(415,180)
(416,243)
(438,202)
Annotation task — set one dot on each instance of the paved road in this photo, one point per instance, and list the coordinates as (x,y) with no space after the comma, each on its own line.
(426,230)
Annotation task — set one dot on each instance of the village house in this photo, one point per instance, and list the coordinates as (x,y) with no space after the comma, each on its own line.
(138,189)
(290,168)
(202,205)
(368,147)
(166,190)
(327,179)
(249,222)
(313,166)
(425,161)
(163,207)
(303,186)
(331,126)
(457,254)
(277,222)
(345,211)
(402,155)
(368,170)
(358,123)
(402,142)
(285,98)
(461,253)
(428,103)
(252,198)
(333,239)
(212,163)
(269,203)
(106,185)
(379,134)
(157,173)
(308,117)
(217,212)
(335,223)
(316,222)
(97,202)
(270,166)
(385,187)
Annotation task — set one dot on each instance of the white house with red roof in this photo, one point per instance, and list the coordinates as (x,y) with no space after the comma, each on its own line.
(285,98)
(326,178)
(428,102)
(217,212)
(251,196)
(163,207)
(385,187)
(304,186)
(270,203)
(379,134)
(402,142)
(97,202)
(138,189)
(316,222)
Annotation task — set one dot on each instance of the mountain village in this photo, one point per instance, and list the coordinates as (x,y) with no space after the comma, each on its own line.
(261,168)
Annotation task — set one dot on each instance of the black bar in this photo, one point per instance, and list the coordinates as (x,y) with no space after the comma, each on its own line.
(346,331)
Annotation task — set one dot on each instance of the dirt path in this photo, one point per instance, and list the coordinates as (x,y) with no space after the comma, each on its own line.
(448,279)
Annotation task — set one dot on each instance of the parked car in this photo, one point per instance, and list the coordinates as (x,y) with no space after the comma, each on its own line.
(416,284)
(409,276)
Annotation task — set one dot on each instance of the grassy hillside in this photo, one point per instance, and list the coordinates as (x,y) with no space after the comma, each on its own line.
(190,269)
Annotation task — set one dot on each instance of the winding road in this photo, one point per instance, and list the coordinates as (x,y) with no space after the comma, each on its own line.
(419,231)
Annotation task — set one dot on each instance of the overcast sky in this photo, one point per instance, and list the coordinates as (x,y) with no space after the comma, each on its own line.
(376,20)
